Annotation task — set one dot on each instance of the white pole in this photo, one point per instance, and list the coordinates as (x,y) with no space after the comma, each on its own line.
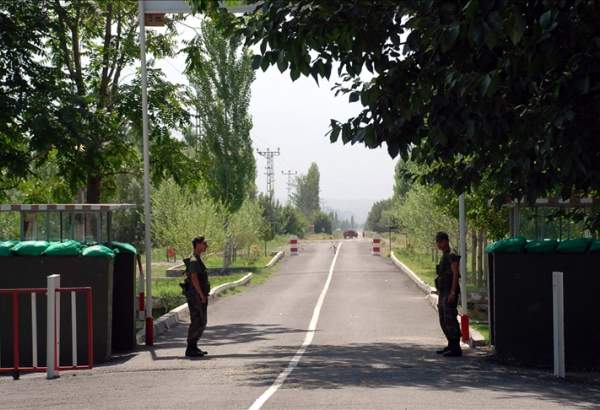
(53,284)
(74,327)
(559,324)
(34,340)
(145,132)
(462,220)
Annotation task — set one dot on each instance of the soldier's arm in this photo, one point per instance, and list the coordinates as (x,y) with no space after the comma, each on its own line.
(196,285)
(455,270)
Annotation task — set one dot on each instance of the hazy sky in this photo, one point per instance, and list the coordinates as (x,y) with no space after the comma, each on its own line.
(294,116)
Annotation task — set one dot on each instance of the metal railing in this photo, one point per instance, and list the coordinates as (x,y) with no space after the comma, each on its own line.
(53,292)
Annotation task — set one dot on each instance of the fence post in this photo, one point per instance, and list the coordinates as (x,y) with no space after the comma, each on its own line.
(51,337)
(559,324)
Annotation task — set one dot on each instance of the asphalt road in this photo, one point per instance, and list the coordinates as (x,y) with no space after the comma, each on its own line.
(372,347)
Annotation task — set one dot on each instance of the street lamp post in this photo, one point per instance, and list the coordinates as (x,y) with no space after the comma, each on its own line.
(147,207)
(156,7)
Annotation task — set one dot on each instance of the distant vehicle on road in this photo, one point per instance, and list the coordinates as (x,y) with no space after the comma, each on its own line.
(349,234)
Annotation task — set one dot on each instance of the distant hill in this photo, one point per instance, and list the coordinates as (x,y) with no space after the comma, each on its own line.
(347,207)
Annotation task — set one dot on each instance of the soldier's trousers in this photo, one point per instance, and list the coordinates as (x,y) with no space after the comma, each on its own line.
(448,319)
(198,317)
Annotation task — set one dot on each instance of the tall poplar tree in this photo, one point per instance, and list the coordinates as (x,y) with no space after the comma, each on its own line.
(221,75)
(307,193)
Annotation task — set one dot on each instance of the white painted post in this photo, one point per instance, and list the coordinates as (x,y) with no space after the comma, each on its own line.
(146,157)
(74,327)
(559,324)
(53,284)
(34,339)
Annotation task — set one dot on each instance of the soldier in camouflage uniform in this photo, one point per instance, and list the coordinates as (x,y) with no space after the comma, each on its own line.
(196,290)
(448,289)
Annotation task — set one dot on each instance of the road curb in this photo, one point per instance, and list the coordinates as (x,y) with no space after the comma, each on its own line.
(475,338)
(275,259)
(182,313)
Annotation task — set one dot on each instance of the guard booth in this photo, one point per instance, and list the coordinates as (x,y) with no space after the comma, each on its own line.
(520,286)
(110,276)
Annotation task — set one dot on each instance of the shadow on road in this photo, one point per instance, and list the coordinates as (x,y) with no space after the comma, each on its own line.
(383,365)
(235,333)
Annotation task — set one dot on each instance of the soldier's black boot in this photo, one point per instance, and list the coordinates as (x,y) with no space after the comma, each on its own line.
(193,351)
(444,350)
(454,349)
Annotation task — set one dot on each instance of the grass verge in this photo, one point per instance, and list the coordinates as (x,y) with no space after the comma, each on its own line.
(420,264)
(483,328)
(169,291)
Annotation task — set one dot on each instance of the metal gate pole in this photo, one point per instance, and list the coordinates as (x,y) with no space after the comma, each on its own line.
(558,307)
(51,356)
(146,155)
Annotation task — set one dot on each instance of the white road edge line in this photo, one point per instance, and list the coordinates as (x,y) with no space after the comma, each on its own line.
(310,333)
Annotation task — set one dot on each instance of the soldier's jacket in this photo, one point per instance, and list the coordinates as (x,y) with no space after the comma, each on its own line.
(194,264)
(443,281)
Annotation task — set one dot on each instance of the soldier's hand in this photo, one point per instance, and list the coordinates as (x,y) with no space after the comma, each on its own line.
(451,297)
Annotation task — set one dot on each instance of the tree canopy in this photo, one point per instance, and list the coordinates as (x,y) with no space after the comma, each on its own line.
(509,90)
(66,75)
(221,75)
(306,198)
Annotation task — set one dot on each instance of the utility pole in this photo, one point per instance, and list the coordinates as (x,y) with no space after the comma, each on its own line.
(270,169)
(290,182)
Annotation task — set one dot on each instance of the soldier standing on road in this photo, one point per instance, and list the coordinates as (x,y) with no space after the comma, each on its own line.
(448,288)
(197,289)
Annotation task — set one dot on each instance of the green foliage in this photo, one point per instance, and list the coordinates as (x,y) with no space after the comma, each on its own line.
(377,220)
(179,215)
(245,225)
(271,218)
(64,84)
(403,178)
(342,224)
(9,226)
(419,262)
(221,75)
(508,90)
(421,217)
(306,198)
(322,223)
(26,86)
(293,222)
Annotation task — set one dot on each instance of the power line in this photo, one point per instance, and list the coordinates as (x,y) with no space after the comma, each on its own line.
(270,169)
(290,182)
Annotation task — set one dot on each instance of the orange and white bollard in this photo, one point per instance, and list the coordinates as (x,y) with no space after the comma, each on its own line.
(293,245)
(376,247)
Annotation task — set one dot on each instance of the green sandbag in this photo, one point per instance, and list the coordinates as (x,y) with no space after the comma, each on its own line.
(123,247)
(98,250)
(67,248)
(512,245)
(29,248)
(539,246)
(574,245)
(595,246)
(6,246)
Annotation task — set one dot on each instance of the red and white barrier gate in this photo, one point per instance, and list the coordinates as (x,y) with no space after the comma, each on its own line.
(376,247)
(293,245)
(53,328)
